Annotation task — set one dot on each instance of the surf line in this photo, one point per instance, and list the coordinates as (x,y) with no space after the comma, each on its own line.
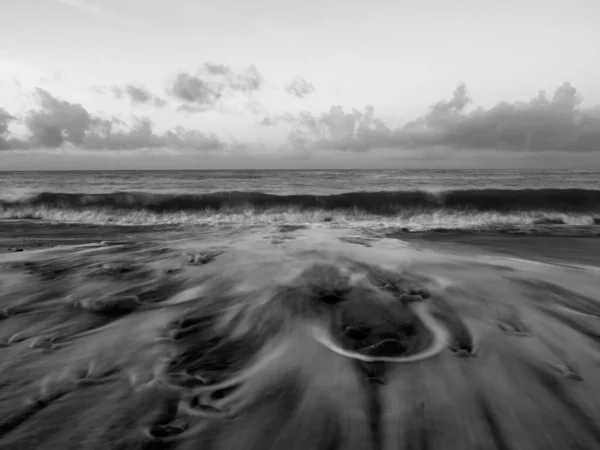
(441,338)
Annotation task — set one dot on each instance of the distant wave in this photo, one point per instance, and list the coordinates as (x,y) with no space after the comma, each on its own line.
(382,203)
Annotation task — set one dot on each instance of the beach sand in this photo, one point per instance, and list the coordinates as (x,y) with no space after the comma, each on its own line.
(553,249)
(145,338)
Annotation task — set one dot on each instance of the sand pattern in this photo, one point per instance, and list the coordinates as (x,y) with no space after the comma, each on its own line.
(294,338)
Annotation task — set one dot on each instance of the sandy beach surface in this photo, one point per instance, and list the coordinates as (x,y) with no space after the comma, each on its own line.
(292,337)
(553,249)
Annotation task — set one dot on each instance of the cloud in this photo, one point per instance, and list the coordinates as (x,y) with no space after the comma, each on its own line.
(202,90)
(538,125)
(6,141)
(267,121)
(5,119)
(118,92)
(185,139)
(217,69)
(197,92)
(98,89)
(300,88)
(541,124)
(58,123)
(105,135)
(545,123)
(356,131)
(247,81)
(136,94)
(194,90)
(141,95)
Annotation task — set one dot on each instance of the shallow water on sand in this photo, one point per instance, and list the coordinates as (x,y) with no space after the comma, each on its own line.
(123,342)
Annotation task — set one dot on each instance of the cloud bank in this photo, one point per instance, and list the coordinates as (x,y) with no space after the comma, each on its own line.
(542,124)
(545,123)
(58,123)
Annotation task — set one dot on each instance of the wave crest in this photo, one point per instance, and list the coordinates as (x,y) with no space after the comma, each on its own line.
(383,203)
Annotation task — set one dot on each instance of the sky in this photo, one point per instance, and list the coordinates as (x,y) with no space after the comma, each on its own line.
(233,84)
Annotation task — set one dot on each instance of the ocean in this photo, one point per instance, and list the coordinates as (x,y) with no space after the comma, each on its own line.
(414,200)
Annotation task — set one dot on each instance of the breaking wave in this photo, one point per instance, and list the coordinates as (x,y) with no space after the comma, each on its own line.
(413,209)
(392,202)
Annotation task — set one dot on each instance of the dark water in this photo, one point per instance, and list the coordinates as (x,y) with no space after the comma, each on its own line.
(418,199)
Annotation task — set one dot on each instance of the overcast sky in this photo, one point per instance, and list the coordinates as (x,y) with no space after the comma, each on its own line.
(110,84)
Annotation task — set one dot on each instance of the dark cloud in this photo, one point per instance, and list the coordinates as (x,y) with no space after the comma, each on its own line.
(193,89)
(202,90)
(58,123)
(141,95)
(11,143)
(539,125)
(300,88)
(6,141)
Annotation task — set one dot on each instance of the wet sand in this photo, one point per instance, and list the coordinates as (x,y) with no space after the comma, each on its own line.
(30,234)
(27,235)
(139,338)
(565,249)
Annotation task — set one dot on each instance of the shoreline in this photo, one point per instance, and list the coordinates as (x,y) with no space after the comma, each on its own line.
(541,246)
